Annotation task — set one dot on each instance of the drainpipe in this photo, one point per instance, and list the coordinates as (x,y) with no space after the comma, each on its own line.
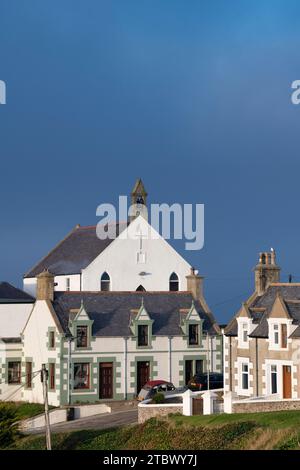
(170,357)
(208,360)
(256,366)
(70,339)
(212,354)
(125,367)
(230,364)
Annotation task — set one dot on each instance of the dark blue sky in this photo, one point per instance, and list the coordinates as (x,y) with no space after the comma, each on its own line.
(194,97)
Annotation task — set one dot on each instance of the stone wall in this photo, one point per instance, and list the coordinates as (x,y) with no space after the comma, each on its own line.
(262,406)
(146,412)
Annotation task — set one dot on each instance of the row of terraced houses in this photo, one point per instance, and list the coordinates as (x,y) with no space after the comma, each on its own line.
(106,316)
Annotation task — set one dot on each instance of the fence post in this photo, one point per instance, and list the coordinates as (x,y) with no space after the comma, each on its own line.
(209,398)
(227,397)
(187,400)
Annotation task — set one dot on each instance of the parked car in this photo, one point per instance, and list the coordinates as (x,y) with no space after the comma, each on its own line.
(200,381)
(154,386)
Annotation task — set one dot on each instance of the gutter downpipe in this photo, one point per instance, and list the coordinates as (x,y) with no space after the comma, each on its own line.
(170,357)
(256,357)
(230,364)
(125,367)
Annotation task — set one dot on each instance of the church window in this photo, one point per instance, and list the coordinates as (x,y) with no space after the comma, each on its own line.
(173,282)
(105,282)
(140,289)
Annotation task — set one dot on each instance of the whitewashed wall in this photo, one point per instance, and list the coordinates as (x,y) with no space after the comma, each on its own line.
(120,261)
(35,347)
(29,284)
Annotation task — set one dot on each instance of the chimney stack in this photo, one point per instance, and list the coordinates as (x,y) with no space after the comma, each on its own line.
(266,271)
(45,286)
(195,284)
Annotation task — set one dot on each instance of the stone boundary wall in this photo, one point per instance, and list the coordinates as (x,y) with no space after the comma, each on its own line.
(146,412)
(264,406)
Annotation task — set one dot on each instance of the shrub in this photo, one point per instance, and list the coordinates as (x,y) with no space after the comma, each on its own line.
(158,398)
(8,428)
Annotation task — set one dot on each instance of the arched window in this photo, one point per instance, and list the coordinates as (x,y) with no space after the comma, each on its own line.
(173,282)
(105,282)
(140,289)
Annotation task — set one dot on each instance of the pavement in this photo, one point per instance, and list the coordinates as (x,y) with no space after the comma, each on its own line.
(114,419)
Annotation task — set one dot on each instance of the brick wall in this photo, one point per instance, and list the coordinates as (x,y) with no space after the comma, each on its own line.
(151,411)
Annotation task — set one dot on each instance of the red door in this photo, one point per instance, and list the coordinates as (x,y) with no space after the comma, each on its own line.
(106,380)
(143,374)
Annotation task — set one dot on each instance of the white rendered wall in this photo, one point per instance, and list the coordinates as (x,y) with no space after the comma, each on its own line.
(35,348)
(13,318)
(29,284)
(119,260)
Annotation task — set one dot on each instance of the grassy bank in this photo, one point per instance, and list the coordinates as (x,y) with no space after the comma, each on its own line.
(23,410)
(280,430)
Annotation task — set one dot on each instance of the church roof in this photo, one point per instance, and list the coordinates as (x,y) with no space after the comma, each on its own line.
(261,307)
(112,311)
(75,252)
(11,294)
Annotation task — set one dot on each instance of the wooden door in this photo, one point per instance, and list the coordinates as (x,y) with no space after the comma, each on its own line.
(197,406)
(188,371)
(143,374)
(287,381)
(106,380)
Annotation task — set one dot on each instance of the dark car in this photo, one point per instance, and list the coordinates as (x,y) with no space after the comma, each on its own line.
(200,382)
(154,386)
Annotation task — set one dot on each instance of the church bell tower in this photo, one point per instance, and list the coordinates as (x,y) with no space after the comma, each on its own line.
(138,201)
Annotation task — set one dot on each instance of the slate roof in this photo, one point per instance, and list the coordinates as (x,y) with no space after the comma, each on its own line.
(75,252)
(291,296)
(10,294)
(112,311)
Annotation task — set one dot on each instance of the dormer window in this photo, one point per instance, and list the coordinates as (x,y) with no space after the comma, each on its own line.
(105,282)
(82,336)
(143,335)
(276,335)
(243,333)
(193,335)
(173,282)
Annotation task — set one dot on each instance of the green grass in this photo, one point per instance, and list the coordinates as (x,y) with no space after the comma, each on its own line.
(24,410)
(275,420)
(279,430)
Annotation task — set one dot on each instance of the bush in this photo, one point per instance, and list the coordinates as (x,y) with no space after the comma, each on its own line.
(158,398)
(8,428)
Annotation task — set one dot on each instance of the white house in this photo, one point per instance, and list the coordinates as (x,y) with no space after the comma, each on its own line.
(112,314)
(15,307)
(137,258)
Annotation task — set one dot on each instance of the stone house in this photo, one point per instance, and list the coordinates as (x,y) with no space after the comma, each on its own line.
(262,341)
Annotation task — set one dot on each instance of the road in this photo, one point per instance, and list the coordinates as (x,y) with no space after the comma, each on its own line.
(103,421)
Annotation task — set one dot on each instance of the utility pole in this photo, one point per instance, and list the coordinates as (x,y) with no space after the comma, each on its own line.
(44,379)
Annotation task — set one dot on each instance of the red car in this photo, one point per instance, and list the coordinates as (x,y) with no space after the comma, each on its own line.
(154,386)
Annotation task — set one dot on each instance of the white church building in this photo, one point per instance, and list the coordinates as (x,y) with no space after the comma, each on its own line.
(109,315)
